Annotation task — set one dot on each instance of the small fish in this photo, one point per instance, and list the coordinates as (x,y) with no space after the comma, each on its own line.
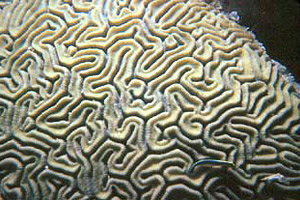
(275,178)
(211,162)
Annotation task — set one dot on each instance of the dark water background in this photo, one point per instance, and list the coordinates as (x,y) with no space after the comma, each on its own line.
(276,23)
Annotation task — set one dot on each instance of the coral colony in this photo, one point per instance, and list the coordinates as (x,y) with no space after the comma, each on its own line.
(142,99)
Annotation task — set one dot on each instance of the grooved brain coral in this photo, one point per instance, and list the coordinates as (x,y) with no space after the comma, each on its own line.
(118,99)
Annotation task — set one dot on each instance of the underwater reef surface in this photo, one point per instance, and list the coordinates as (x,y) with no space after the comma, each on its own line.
(276,23)
(142,100)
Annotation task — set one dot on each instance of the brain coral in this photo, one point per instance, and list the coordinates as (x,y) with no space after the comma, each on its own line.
(141,100)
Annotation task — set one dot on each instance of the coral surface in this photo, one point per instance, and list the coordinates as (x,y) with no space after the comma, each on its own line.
(111,99)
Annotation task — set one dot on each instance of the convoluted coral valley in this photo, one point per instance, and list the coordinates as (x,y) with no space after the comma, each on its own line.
(141,99)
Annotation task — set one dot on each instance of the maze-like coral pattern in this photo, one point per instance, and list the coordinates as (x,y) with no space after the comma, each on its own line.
(114,99)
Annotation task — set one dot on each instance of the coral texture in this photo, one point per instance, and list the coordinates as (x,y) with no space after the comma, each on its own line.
(118,99)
